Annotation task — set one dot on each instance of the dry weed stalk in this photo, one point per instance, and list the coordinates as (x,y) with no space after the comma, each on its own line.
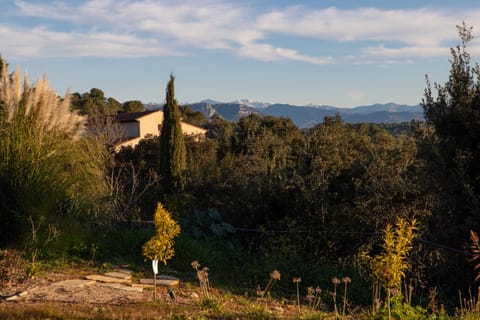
(376,298)
(126,195)
(408,292)
(335,282)
(313,297)
(346,281)
(202,275)
(297,281)
(36,241)
(470,304)
(432,298)
(274,276)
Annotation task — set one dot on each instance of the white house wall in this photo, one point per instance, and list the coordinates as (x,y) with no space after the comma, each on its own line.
(150,124)
(188,129)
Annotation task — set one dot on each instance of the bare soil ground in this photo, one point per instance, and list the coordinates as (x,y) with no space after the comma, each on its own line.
(68,295)
(63,291)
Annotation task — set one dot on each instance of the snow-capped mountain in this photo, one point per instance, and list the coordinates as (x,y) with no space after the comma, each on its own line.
(310,115)
(252,103)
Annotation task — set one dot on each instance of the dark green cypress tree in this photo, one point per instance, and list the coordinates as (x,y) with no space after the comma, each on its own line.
(172,144)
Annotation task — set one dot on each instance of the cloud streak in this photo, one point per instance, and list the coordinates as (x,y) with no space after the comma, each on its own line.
(417,26)
(413,33)
(42,42)
(107,28)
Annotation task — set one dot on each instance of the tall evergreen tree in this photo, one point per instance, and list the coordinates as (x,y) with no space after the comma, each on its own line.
(172,144)
(453,155)
(455,115)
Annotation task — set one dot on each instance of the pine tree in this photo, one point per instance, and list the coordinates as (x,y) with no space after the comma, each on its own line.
(172,144)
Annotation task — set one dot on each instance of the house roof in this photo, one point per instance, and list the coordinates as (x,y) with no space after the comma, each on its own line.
(133,116)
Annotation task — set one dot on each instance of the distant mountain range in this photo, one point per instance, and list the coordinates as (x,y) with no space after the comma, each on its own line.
(309,116)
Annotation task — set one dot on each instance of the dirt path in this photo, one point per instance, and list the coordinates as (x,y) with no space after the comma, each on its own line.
(89,288)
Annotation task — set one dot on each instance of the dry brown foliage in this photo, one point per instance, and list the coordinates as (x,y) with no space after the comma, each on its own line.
(12,268)
(474,249)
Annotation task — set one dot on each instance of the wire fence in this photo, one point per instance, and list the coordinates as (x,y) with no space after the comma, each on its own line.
(313,231)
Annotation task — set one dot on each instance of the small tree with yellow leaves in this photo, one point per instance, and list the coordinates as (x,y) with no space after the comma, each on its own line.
(160,246)
(390,266)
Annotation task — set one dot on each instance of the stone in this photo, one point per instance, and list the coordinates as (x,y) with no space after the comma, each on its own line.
(106,279)
(120,286)
(119,275)
(123,270)
(77,283)
(161,282)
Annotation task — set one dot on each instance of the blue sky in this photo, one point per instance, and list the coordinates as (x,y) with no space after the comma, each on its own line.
(342,53)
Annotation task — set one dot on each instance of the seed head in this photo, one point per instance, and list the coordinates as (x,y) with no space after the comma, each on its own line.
(310,294)
(346,280)
(335,280)
(275,275)
(195,264)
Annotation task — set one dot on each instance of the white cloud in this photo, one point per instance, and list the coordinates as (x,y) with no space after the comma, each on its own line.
(130,28)
(204,24)
(421,32)
(404,52)
(416,26)
(267,52)
(41,42)
(294,55)
(208,24)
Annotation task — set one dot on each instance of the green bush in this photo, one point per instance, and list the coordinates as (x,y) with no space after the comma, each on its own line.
(122,244)
(221,259)
(403,311)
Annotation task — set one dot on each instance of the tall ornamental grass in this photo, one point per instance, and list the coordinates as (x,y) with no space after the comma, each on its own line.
(50,167)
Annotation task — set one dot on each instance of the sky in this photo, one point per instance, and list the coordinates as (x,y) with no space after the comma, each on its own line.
(341,53)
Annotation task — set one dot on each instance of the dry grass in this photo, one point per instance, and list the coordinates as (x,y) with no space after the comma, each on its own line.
(235,307)
(145,310)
